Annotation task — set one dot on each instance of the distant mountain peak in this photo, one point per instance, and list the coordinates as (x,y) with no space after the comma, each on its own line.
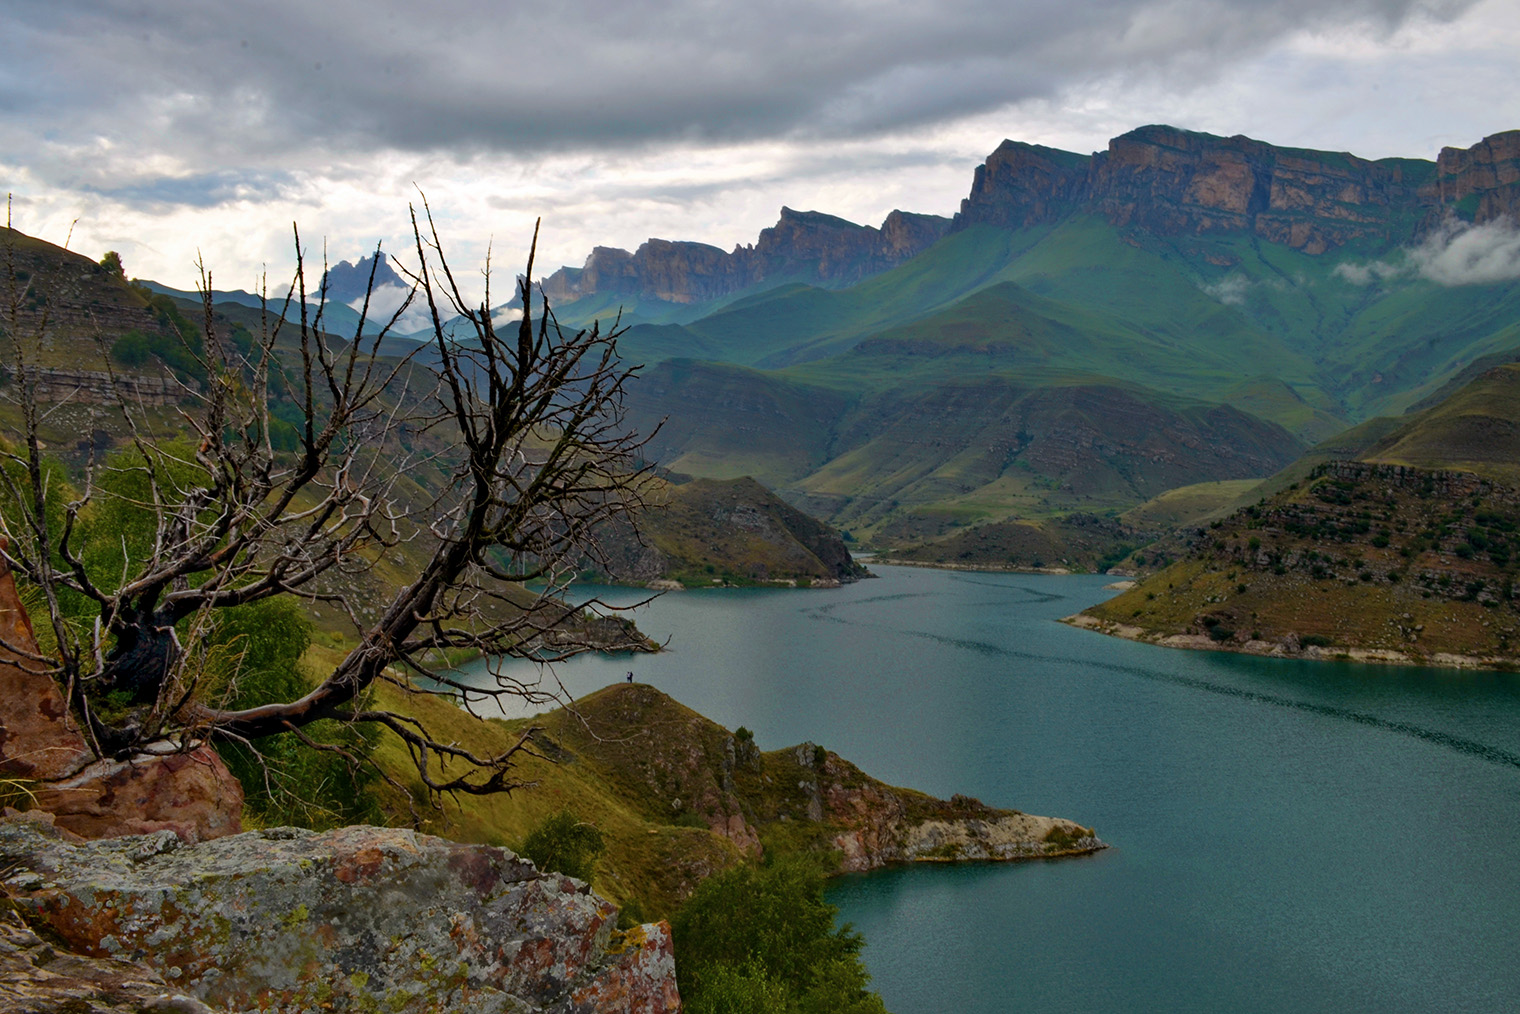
(346,282)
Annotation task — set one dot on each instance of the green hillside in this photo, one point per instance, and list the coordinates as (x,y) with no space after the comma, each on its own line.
(712,532)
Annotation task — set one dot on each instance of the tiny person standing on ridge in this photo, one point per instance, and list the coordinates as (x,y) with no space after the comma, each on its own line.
(630,677)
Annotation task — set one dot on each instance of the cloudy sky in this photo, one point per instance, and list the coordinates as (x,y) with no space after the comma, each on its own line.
(163,128)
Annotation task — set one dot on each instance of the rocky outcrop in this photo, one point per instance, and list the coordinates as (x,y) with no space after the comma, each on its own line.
(1481,183)
(672,762)
(345,282)
(39,978)
(1024,184)
(188,792)
(872,824)
(356,919)
(802,246)
(1177,182)
(97,387)
(185,789)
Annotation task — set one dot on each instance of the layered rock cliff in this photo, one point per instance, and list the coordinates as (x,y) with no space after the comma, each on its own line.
(1481,183)
(1177,182)
(802,246)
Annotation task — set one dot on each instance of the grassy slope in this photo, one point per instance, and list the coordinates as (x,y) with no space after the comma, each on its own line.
(1381,570)
(1476,429)
(726,532)
(1190,505)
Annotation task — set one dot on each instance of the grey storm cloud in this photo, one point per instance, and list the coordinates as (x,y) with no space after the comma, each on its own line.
(202,190)
(218,84)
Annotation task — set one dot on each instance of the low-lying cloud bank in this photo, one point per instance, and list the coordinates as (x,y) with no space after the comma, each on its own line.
(1458,253)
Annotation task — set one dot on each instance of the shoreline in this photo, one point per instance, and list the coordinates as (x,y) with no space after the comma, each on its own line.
(1272,649)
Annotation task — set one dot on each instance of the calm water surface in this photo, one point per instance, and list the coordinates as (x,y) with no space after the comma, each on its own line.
(1287,836)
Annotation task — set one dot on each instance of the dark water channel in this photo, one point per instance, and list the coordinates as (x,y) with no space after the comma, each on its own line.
(1287,836)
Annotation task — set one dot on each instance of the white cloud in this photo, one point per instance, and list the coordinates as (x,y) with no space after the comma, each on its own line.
(1456,253)
(1461,254)
(1230,290)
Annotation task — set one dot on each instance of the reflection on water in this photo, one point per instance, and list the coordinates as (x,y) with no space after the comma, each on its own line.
(1288,835)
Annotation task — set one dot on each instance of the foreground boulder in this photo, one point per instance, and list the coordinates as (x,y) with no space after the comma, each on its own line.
(37,978)
(356,919)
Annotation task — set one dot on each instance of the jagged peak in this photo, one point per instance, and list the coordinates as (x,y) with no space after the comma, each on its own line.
(347,280)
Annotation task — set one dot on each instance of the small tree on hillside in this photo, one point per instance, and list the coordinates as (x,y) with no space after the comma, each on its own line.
(481,460)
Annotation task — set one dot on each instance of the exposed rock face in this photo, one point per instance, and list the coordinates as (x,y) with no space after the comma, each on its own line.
(802,246)
(1024,184)
(188,792)
(356,919)
(873,824)
(36,740)
(1482,182)
(97,387)
(1170,182)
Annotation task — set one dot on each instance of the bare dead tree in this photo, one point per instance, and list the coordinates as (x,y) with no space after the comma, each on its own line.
(523,427)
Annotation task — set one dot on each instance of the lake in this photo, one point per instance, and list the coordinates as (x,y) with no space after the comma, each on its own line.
(1287,836)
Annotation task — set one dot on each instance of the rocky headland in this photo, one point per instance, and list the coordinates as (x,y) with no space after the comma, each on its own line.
(1362,560)
(709,532)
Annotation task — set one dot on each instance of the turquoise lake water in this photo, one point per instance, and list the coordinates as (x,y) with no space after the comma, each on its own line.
(1287,836)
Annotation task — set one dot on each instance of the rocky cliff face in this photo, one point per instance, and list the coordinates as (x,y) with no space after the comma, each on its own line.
(802,246)
(1176,182)
(345,281)
(1482,182)
(1024,184)
(357,919)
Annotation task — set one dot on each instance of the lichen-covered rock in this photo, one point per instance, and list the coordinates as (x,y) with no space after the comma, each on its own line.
(37,978)
(356,919)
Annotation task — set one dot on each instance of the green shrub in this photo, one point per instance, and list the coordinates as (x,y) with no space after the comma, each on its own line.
(258,648)
(131,349)
(564,843)
(763,939)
